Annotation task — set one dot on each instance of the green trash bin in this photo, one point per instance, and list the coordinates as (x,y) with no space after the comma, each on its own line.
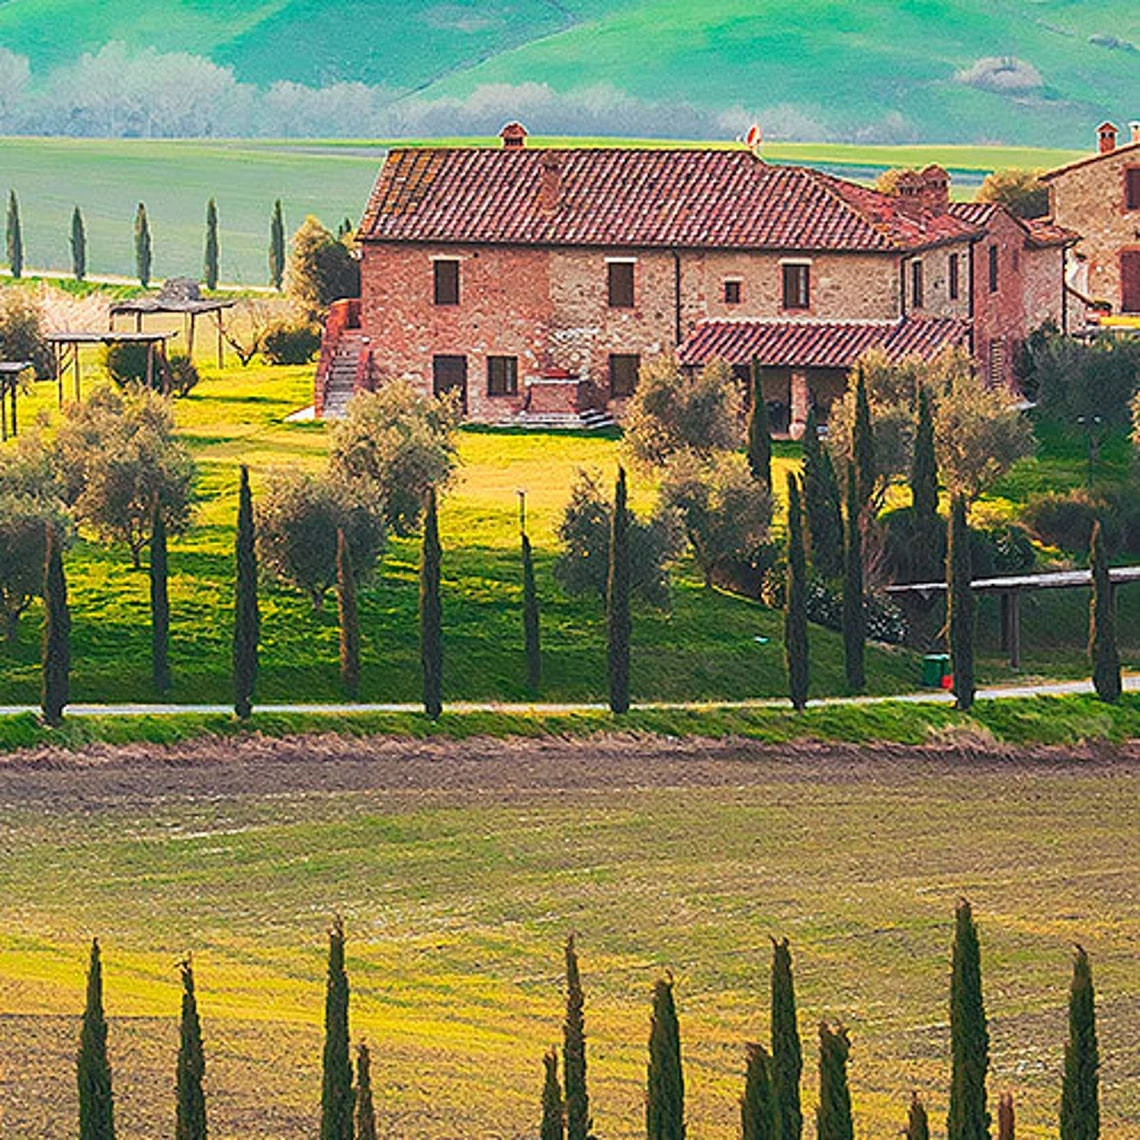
(935,666)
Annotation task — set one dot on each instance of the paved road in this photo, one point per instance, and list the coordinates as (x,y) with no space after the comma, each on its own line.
(928,696)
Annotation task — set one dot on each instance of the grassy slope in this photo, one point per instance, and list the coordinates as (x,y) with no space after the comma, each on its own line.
(457,905)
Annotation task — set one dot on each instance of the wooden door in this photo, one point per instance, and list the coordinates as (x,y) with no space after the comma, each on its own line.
(449,374)
(1130,281)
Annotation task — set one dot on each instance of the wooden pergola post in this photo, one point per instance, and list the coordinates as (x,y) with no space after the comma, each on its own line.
(1011,626)
(75,349)
(4,381)
(190,336)
(221,340)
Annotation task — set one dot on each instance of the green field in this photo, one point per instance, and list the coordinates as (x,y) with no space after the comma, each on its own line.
(459,873)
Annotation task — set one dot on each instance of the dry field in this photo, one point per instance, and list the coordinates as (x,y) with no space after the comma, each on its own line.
(460,868)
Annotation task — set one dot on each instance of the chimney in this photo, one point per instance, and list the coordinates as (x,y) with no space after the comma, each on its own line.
(1106,137)
(513,136)
(550,186)
(935,193)
(1134,127)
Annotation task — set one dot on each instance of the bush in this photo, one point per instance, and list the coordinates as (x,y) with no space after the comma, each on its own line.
(1002,550)
(182,374)
(322,268)
(22,334)
(584,532)
(290,343)
(1063,519)
(126,363)
(885,621)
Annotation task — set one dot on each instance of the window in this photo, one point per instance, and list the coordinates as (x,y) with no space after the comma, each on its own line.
(732,292)
(917,292)
(449,374)
(993,268)
(797,286)
(620,284)
(1132,188)
(446,281)
(502,375)
(952,277)
(623,374)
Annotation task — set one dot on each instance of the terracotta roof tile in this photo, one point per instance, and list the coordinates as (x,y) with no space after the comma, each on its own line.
(1039,232)
(637,198)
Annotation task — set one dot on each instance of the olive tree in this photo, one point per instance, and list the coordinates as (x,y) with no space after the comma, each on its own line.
(24,525)
(322,268)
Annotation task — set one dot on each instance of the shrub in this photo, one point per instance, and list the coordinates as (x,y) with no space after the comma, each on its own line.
(885,621)
(22,332)
(1063,519)
(290,343)
(322,268)
(182,373)
(126,363)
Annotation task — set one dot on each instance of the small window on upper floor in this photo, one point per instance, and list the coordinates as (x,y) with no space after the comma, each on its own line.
(797,285)
(993,268)
(620,284)
(953,277)
(446,281)
(917,285)
(732,292)
(1132,188)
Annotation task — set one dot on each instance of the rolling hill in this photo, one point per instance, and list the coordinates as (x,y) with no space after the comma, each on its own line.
(1012,71)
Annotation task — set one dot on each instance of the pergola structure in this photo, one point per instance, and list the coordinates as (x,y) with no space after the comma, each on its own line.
(66,345)
(181,295)
(10,371)
(1010,588)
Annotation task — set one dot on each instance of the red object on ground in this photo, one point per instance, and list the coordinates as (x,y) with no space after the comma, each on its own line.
(948,681)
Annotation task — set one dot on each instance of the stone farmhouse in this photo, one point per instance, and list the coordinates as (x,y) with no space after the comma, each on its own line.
(534,282)
(1100,196)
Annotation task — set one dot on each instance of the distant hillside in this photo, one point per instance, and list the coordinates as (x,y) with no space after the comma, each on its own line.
(1013,71)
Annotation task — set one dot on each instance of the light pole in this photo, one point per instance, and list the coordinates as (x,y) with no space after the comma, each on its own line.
(1092,425)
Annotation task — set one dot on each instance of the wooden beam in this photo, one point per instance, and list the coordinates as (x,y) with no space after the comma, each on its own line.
(221,340)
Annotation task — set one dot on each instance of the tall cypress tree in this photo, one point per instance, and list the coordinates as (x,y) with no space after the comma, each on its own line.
(55,651)
(531,638)
(578,1122)
(863,442)
(15,236)
(968,1118)
(833,1116)
(143,249)
(1006,1122)
(210,260)
(277,246)
(854,614)
(247,619)
(190,1123)
(431,612)
(759,431)
(665,1095)
(78,245)
(821,503)
(619,623)
(1102,623)
(757,1105)
(924,495)
(337,1100)
(348,617)
(795,617)
(917,1124)
(787,1055)
(365,1112)
(1080,1092)
(96,1099)
(553,1122)
(960,605)
(159,603)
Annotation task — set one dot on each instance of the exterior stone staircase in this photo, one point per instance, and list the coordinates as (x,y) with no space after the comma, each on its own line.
(591,419)
(341,381)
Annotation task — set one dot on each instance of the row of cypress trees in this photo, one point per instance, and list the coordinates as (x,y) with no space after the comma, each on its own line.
(143,244)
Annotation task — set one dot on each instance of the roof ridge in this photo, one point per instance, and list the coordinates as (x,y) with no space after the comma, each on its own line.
(831,184)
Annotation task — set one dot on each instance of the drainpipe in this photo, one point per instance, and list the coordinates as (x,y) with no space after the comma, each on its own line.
(902,288)
(677,298)
(1065,290)
(973,306)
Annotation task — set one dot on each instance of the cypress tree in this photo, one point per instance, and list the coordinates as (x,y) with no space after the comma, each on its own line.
(211,257)
(1102,623)
(78,245)
(553,1123)
(757,1105)
(787,1055)
(1006,1124)
(247,620)
(578,1122)
(15,236)
(821,503)
(348,617)
(854,615)
(190,1123)
(795,617)
(1080,1092)
(759,432)
(55,652)
(960,605)
(159,603)
(924,495)
(530,620)
(968,1118)
(277,246)
(917,1125)
(618,620)
(142,246)
(431,612)
(665,1096)
(833,1116)
(96,1099)
(365,1113)
(863,442)
(337,1100)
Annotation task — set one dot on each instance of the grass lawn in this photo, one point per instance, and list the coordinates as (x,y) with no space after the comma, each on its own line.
(459,880)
